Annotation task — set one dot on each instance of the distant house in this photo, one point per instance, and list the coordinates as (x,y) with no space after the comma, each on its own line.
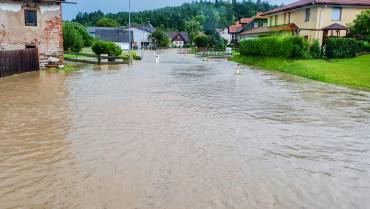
(179,39)
(224,33)
(140,34)
(123,38)
(33,24)
(245,24)
(317,19)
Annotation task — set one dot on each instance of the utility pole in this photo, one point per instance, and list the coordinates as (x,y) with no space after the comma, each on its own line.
(129,31)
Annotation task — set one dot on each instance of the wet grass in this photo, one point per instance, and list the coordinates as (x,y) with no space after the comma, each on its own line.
(352,72)
(68,68)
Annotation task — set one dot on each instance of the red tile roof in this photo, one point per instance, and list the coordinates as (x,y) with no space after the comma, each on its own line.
(234,28)
(265,29)
(246,20)
(303,3)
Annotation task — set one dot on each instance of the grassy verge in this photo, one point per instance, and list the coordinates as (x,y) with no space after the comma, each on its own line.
(353,72)
(68,68)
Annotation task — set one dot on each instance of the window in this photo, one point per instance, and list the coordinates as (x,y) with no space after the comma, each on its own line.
(288,17)
(276,19)
(336,14)
(307,15)
(284,18)
(30,17)
(255,25)
(264,24)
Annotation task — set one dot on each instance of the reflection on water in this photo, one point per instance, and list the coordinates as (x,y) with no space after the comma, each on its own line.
(181,134)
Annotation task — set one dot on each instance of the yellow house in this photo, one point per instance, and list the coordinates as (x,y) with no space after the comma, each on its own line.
(317,19)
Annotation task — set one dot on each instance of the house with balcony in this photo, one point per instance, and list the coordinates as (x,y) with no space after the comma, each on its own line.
(317,19)
(246,24)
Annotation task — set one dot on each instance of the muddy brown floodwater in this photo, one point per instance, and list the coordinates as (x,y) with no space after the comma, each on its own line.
(182,134)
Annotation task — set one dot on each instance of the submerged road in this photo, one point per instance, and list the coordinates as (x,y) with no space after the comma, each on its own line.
(182,134)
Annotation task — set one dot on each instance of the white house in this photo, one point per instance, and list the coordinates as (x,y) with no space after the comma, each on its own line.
(224,33)
(141,35)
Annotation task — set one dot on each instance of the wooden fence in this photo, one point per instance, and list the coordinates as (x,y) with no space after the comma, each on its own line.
(18,61)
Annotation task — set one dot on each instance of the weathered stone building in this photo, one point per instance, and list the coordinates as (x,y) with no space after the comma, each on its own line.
(33,24)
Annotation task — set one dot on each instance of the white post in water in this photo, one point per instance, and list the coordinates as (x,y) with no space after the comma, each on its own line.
(238,70)
(157,58)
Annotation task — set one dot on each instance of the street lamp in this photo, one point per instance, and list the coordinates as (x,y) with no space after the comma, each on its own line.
(129,30)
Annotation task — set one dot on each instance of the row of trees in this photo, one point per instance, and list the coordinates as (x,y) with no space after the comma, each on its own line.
(198,15)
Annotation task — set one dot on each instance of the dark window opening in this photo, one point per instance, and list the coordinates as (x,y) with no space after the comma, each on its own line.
(30,17)
(307,15)
(30,46)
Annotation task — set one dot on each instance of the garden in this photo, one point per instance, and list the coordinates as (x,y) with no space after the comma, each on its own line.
(341,60)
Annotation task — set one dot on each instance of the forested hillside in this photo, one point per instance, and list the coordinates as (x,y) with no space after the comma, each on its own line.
(203,14)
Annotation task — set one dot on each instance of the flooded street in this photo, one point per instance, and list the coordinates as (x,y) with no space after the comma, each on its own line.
(182,134)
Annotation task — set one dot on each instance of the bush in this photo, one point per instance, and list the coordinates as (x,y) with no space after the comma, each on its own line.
(201,41)
(339,47)
(315,49)
(217,42)
(276,46)
(103,47)
(134,55)
(73,40)
(364,46)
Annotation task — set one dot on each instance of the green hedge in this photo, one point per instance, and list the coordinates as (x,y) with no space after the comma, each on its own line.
(276,46)
(341,47)
(104,47)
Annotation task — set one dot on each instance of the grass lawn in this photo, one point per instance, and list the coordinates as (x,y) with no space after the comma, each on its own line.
(353,72)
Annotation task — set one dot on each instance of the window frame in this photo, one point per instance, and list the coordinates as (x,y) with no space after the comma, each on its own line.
(26,22)
(307,14)
(340,13)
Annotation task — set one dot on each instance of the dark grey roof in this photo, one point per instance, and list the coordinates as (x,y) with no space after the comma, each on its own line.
(146,27)
(114,35)
(184,35)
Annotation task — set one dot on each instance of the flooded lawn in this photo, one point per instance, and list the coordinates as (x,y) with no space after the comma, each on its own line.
(182,134)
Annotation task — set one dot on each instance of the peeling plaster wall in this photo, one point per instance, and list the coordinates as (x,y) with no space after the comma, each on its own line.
(47,36)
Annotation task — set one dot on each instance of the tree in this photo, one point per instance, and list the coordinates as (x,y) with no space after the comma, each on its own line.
(87,38)
(107,22)
(193,27)
(217,42)
(73,40)
(201,41)
(159,38)
(360,28)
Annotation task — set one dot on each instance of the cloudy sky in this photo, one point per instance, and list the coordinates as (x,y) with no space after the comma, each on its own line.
(70,11)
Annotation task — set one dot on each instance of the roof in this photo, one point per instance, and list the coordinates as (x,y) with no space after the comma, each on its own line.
(265,29)
(303,3)
(256,17)
(335,26)
(145,27)
(234,28)
(184,35)
(114,35)
(246,20)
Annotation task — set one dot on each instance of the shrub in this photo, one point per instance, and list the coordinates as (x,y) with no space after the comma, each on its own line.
(360,28)
(217,42)
(73,40)
(339,47)
(276,46)
(201,41)
(315,49)
(364,46)
(103,47)
(134,55)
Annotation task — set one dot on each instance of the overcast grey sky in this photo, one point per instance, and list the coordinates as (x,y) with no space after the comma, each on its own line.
(70,11)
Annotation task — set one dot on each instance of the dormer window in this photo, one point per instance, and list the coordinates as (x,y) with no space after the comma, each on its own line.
(307,15)
(336,14)
(30,17)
